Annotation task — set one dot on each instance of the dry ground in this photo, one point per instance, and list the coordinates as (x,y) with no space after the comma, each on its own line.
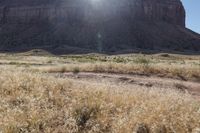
(136,80)
(99,93)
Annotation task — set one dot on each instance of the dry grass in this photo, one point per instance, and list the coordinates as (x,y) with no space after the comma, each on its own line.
(171,71)
(166,65)
(33,102)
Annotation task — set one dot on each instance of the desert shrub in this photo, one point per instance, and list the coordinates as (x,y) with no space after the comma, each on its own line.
(62,70)
(76,70)
(164,55)
(119,59)
(50,62)
(142,60)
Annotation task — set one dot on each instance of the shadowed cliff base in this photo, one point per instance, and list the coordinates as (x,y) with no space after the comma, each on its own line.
(144,37)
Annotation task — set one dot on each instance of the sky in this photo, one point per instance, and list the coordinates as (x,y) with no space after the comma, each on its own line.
(192,8)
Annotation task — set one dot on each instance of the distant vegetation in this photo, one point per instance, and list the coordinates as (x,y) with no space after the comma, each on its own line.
(170,66)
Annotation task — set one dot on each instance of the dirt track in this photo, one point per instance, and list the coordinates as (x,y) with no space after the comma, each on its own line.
(136,81)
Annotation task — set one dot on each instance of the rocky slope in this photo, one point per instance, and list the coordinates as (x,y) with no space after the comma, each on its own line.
(66,26)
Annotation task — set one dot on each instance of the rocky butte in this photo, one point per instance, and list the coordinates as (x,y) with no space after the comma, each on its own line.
(79,26)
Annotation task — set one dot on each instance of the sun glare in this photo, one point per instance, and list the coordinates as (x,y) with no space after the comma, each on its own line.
(95,1)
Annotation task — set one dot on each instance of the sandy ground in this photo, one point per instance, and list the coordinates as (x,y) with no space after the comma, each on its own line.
(136,81)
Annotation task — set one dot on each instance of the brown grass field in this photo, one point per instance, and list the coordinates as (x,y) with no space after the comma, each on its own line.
(95,93)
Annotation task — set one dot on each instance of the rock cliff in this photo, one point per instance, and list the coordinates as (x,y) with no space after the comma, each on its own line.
(29,11)
(64,26)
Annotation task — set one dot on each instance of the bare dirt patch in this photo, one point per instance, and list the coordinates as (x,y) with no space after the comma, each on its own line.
(137,80)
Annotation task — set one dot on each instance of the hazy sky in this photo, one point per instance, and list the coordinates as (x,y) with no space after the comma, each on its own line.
(193,14)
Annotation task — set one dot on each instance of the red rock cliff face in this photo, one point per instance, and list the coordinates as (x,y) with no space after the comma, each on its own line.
(170,11)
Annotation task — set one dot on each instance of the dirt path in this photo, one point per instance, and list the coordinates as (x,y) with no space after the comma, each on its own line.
(136,80)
